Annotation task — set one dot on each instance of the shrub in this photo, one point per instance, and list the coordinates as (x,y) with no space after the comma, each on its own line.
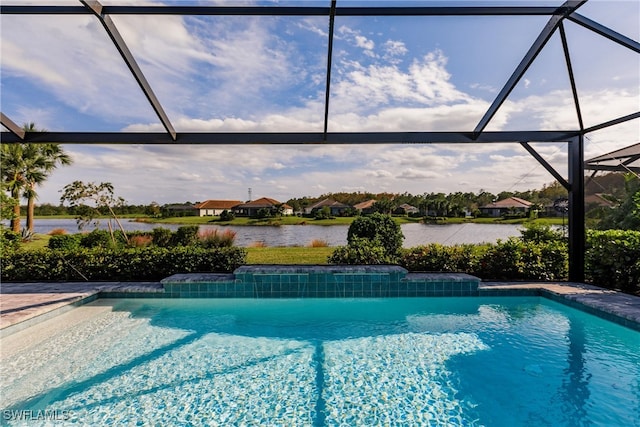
(323,213)
(437,257)
(612,259)
(538,233)
(226,215)
(65,242)
(161,237)
(515,259)
(186,235)
(381,230)
(57,231)
(140,240)
(27,235)
(360,251)
(151,263)
(102,239)
(215,239)
(262,213)
(9,240)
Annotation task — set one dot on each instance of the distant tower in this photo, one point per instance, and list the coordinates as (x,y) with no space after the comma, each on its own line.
(249,193)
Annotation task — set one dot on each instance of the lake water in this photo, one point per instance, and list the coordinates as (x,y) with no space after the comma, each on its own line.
(335,235)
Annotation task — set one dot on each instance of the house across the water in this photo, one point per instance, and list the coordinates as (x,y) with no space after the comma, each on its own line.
(336,208)
(510,205)
(253,207)
(216,207)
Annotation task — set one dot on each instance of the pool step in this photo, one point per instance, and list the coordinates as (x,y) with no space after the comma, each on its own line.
(320,281)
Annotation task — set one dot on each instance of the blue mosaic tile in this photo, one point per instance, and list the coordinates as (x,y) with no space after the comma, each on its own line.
(298,281)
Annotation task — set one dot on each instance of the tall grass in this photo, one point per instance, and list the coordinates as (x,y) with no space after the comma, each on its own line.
(318,243)
(57,232)
(216,239)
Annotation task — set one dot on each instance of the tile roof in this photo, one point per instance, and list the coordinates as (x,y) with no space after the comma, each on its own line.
(510,202)
(218,204)
(263,202)
(365,205)
(327,202)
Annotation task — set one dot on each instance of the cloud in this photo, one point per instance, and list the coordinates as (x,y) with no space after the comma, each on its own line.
(255,75)
(355,38)
(411,174)
(395,48)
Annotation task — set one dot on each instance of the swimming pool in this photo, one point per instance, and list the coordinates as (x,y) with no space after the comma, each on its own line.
(474,361)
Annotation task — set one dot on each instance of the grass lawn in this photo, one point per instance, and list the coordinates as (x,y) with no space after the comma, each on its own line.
(288,255)
(269,255)
(39,241)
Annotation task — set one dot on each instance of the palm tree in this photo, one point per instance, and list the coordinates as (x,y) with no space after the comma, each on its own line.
(24,167)
(11,160)
(47,158)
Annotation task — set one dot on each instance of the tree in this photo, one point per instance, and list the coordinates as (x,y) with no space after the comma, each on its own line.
(11,159)
(384,206)
(49,157)
(380,229)
(626,216)
(26,166)
(7,204)
(101,196)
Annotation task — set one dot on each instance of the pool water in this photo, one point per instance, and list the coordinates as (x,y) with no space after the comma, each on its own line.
(314,362)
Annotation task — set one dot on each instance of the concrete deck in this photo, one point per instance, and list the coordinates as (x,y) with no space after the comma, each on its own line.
(24,304)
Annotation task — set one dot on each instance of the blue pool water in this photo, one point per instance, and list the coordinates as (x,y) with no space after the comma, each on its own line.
(404,361)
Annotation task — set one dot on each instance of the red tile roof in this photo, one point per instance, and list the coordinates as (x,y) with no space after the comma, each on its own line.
(218,204)
(510,202)
(263,202)
(364,205)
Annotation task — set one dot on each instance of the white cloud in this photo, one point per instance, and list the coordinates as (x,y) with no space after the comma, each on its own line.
(395,48)
(355,38)
(229,83)
(412,174)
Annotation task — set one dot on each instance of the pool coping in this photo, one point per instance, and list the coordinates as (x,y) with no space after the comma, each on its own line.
(25,304)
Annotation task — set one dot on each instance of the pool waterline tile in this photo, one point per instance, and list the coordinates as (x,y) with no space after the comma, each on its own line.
(19,299)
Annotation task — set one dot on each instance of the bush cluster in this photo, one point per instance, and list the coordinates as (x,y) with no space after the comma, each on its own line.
(540,253)
(9,240)
(188,235)
(148,263)
(513,259)
(437,257)
(361,251)
(373,239)
(612,259)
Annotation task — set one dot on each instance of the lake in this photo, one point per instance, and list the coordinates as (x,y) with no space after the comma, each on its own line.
(334,235)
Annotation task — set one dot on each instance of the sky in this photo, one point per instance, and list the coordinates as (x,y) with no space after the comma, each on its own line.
(268,74)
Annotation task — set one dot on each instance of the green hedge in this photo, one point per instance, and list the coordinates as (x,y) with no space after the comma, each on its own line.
(437,257)
(149,263)
(612,259)
(360,251)
(513,259)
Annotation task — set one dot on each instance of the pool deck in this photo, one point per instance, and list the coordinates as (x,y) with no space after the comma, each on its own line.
(24,304)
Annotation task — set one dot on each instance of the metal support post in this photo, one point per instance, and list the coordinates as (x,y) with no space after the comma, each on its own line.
(577,231)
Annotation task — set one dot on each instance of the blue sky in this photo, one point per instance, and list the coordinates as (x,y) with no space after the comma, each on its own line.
(268,74)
